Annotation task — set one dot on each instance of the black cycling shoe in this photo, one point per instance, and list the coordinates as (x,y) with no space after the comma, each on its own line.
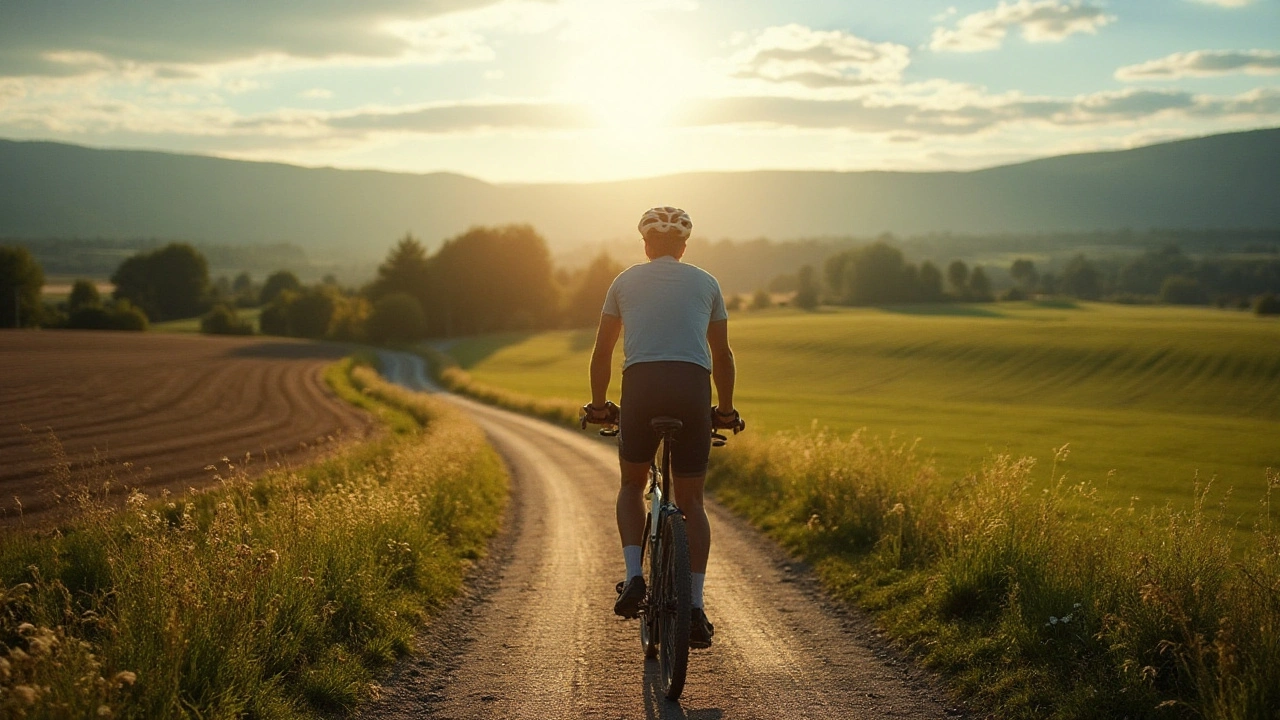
(700,630)
(630,595)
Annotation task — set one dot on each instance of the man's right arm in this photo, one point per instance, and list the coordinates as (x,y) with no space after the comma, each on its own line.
(602,357)
(723,371)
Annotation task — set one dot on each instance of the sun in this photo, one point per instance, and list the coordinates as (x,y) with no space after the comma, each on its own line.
(629,69)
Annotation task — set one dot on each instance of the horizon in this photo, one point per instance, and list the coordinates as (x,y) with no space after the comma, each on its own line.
(583,91)
(303,166)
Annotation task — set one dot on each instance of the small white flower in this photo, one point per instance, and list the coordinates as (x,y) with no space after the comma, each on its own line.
(1067,619)
(1077,606)
(1053,620)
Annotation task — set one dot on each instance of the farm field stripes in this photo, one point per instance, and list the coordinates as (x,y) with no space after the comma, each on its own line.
(168,404)
(1163,396)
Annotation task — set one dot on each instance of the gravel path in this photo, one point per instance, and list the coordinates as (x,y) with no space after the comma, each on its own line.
(535,636)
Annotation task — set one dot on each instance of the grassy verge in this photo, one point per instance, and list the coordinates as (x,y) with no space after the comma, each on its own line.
(1034,604)
(455,379)
(278,597)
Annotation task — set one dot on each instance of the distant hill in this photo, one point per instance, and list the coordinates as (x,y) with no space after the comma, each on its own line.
(56,190)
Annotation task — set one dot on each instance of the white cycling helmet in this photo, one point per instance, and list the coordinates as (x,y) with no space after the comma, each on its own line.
(665,219)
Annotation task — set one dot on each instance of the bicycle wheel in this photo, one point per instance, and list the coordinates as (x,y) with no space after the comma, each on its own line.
(675,606)
(648,618)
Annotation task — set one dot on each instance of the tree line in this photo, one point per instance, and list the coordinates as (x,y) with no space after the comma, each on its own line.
(880,274)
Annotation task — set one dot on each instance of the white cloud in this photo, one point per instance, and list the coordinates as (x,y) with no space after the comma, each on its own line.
(818,59)
(1204,63)
(316,94)
(151,32)
(1040,21)
(1226,3)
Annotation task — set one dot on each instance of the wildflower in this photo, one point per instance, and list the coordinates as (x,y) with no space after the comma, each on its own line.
(124,677)
(1052,621)
(25,628)
(897,509)
(104,711)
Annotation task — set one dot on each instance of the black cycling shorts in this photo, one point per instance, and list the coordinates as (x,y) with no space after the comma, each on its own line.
(675,389)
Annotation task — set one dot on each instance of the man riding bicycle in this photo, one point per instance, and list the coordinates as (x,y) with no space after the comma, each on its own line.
(676,343)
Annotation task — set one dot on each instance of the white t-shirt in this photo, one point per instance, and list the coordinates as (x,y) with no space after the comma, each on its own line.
(665,306)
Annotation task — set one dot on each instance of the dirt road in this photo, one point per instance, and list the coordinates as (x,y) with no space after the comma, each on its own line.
(537,638)
(168,404)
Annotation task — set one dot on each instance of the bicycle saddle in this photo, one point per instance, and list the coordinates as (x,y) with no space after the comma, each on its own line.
(664,425)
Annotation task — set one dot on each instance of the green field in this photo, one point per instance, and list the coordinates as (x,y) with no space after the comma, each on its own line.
(1148,398)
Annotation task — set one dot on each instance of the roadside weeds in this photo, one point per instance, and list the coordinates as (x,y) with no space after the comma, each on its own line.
(275,598)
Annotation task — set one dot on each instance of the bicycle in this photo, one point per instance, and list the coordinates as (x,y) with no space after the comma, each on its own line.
(665,611)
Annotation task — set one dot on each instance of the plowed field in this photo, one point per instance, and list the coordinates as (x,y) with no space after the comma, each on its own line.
(169,405)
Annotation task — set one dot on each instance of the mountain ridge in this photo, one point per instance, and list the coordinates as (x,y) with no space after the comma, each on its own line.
(51,189)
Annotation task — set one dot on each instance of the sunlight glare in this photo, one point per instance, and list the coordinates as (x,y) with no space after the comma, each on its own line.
(629,66)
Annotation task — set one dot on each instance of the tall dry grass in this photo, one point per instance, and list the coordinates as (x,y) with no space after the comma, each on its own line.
(1036,602)
(455,379)
(271,598)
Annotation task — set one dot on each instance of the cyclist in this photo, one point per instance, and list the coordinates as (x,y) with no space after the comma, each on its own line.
(676,343)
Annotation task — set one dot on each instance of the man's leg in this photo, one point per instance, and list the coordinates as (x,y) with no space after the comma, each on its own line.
(688,490)
(631,502)
(631,529)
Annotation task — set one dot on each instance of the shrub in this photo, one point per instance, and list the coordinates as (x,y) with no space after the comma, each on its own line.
(223,320)
(1267,304)
(1013,294)
(397,318)
(1182,290)
(121,315)
(83,294)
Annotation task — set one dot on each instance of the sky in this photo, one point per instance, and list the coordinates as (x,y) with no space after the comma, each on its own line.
(520,91)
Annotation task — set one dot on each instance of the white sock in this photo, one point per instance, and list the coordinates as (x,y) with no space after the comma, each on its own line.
(698,580)
(631,554)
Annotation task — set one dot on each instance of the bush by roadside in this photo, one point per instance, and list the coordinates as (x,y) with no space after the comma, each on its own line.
(277,597)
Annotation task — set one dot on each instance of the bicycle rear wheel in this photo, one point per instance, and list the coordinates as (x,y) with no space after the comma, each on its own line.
(674,604)
(648,618)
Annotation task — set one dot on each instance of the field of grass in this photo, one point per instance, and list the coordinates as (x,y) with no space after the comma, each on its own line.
(279,597)
(1151,400)
(192,325)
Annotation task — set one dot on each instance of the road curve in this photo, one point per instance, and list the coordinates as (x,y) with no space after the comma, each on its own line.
(537,637)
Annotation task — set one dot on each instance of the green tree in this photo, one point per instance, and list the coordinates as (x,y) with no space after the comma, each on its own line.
(1145,274)
(21,281)
(878,273)
(930,282)
(1024,273)
(1267,304)
(958,276)
(807,290)
(277,283)
(1080,279)
(397,318)
(492,279)
(980,285)
(407,269)
(583,307)
(243,283)
(168,283)
(84,294)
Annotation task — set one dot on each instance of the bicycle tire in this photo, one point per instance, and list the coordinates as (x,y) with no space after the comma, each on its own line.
(648,619)
(676,602)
